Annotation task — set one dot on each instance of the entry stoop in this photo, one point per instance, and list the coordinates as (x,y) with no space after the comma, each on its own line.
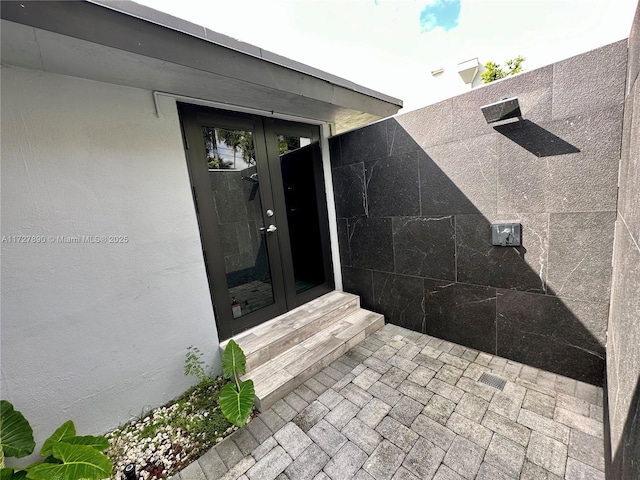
(288,350)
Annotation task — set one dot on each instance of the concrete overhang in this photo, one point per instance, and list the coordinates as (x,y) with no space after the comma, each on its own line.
(125,43)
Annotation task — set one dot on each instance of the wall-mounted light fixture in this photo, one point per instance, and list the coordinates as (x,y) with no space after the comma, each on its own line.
(503,110)
(437,72)
(468,70)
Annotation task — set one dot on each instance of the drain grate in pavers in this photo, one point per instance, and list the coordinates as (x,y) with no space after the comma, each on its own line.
(492,380)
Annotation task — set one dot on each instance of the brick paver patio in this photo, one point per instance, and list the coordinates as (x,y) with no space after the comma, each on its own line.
(402,405)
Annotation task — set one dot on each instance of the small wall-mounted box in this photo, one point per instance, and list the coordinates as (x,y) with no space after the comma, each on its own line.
(506,234)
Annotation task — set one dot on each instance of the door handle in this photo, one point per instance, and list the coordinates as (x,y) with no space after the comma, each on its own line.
(270,229)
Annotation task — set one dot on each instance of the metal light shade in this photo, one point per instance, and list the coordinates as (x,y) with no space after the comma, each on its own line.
(468,70)
(502,110)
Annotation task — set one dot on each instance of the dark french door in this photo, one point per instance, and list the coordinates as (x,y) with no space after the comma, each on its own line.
(259,194)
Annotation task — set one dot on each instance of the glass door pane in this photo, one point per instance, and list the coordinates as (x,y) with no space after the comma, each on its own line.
(299,180)
(235,186)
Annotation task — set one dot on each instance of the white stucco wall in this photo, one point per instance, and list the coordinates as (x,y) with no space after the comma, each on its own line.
(96,333)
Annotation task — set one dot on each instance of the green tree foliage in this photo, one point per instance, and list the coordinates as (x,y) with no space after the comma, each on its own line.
(213,155)
(238,141)
(287,144)
(233,139)
(494,71)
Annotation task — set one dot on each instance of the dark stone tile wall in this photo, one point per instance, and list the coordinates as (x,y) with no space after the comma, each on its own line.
(425,247)
(542,329)
(462,313)
(416,194)
(623,341)
(541,171)
(480,263)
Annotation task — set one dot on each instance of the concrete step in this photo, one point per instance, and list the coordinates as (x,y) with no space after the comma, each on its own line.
(272,338)
(283,373)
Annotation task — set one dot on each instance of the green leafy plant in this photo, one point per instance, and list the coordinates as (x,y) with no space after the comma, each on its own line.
(493,71)
(193,364)
(237,397)
(67,456)
(168,438)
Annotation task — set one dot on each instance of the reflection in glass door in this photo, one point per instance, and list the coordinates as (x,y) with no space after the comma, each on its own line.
(297,164)
(236,193)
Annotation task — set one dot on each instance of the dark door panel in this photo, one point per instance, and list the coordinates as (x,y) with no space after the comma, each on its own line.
(260,201)
(297,166)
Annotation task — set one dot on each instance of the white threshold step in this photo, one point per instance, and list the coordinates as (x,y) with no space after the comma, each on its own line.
(288,370)
(270,339)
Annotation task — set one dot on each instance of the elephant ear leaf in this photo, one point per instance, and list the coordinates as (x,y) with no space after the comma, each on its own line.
(16,435)
(234,362)
(237,405)
(11,474)
(67,429)
(99,443)
(79,461)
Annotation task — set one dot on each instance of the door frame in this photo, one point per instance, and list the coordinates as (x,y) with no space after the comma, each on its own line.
(192,118)
(271,127)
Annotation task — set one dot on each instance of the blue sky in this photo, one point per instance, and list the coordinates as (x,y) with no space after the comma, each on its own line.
(442,13)
(393,45)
